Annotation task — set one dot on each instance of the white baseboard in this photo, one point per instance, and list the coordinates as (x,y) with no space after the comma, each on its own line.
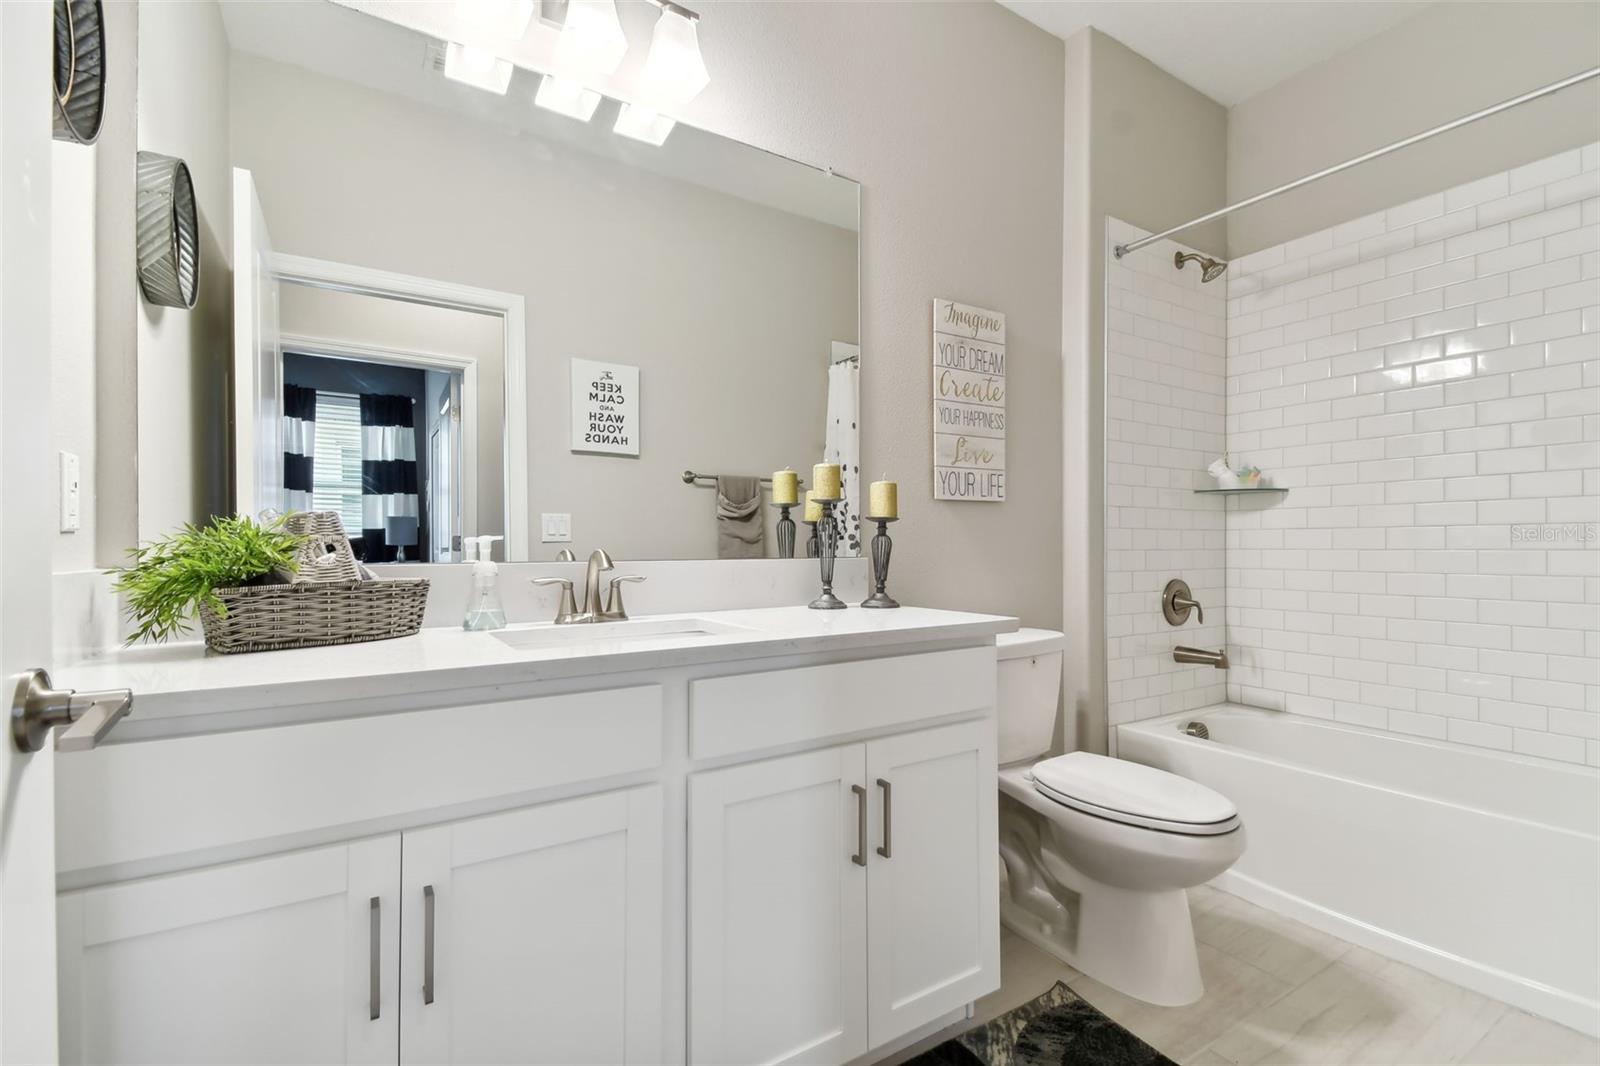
(1532,996)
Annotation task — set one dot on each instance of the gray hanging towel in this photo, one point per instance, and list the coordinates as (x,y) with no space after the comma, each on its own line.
(741,527)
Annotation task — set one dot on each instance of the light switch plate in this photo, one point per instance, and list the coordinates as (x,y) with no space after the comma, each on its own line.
(555,528)
(70,491)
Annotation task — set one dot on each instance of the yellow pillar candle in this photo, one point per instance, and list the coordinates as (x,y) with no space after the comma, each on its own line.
(883,500)
(813,508)
(825,480)
(785,487)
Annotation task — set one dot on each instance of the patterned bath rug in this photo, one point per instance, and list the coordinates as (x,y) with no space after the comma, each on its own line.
(1060,1028)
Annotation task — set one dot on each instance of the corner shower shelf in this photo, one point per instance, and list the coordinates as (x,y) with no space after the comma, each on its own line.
(1257,491)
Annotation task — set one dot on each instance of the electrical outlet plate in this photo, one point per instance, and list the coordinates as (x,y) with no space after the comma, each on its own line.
(555,528)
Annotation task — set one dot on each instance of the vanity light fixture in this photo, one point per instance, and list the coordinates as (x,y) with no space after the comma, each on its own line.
(592,40)
(673,73)
(504,19)
(642,124)
(475,67)
(566,97)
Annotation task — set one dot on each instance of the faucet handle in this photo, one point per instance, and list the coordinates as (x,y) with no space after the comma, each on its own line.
(567,611)
(615,612)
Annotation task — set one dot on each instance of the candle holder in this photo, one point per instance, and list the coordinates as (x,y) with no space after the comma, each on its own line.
(785,533)
(813,545)
(828,547)
(882,547)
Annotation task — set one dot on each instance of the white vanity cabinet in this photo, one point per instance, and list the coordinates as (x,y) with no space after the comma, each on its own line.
(531,936)
(534,936)
(693,854)
(288,959)
(840,899)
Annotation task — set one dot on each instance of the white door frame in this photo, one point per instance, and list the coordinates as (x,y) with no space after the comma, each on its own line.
(369,281)
(465,365)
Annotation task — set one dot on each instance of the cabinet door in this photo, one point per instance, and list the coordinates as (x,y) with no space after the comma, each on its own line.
(534,936)
(933,921)
(289,959)
(777,905)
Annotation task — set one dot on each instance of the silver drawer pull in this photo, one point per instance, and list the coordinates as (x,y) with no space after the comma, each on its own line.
(860,857)
(427,943)
(374,959)
(888,819)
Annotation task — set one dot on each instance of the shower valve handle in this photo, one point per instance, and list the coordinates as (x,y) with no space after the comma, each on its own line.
(1177,601)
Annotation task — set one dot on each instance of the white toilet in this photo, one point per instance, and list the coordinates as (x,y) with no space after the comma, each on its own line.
(1097,851)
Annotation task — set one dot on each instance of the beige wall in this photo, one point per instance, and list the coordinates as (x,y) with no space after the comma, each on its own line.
(950,115)
(92,316)
(727,307)
(1143,147)
(1447,61)
(184,355)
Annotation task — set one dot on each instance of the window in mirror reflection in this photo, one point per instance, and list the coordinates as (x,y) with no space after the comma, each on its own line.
(377,443)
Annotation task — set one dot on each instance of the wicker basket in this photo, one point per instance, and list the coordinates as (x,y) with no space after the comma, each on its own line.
(326,603)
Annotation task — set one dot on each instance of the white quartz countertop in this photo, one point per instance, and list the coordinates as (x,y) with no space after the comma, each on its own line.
(184,679)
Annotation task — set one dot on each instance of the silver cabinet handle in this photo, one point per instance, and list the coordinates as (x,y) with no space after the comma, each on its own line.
(888,818)
(860,857)
(374,958)
(427,943)
(38,707)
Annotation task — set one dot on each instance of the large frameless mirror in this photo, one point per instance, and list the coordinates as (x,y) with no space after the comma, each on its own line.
(457,313)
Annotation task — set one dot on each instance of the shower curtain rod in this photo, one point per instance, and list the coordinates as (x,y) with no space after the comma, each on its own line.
(1504,105)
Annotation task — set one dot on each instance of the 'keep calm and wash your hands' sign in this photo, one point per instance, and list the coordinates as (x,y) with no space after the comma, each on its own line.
(969,403)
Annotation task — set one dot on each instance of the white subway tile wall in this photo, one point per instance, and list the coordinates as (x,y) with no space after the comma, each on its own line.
(1426,381)
(1165,396)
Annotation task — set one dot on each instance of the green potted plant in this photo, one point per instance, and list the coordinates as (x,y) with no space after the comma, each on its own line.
(167,580)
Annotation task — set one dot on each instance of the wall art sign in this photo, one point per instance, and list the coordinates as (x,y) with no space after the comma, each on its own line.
(605,408)
(969,403)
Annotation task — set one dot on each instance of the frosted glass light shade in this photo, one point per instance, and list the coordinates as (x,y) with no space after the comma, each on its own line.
(673,73)
(566,97)
(642,124)
(475,67)
(499,18)
(591,38)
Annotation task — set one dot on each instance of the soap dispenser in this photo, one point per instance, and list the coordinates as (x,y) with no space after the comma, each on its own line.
(484,610)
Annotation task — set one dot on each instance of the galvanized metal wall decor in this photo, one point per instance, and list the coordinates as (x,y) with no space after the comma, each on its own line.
(168,232)
(80,71)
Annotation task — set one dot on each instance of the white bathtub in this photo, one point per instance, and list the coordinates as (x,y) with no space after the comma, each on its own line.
(1477,866)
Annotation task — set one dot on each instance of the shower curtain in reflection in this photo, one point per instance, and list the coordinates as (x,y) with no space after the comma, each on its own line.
(842,445)
(388,471)
(299,446)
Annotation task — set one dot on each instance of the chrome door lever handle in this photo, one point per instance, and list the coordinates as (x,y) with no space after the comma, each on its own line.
(37,707)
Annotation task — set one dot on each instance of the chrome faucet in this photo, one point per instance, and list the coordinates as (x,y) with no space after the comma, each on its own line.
(1218,659)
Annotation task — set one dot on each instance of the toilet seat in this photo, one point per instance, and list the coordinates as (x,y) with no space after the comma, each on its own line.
(1134,794)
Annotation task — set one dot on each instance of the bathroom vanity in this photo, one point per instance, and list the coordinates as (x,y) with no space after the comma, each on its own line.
(742,836)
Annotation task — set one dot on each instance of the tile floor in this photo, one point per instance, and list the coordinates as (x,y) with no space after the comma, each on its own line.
(1281,992)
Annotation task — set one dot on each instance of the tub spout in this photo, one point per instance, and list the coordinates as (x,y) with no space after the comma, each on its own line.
(1218,659)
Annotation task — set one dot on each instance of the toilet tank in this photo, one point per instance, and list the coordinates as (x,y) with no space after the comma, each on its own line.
(1029,663)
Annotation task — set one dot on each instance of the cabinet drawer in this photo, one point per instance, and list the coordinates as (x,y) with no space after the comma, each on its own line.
(129,802)
(749,712)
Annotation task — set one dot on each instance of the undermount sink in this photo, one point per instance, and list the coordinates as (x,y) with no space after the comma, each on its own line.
(554,636)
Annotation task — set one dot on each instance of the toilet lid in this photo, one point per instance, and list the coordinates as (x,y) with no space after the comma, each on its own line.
(1135,794)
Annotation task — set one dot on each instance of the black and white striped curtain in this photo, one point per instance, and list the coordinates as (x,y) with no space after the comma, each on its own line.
(299,446)
(388,470)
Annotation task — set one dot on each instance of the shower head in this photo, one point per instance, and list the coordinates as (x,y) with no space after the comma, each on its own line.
(1210,269)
